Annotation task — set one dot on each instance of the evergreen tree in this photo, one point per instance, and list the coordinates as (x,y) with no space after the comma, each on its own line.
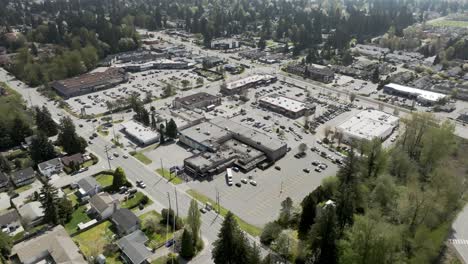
(65,207)
(194,221)
(307,218)
(231,245)
(20,130)
(68,139)
(254,256)
(323,237)
(187,250)
(161,134)
(286,212)
(49,201)
(376,75)
(6,243)
(44,121)
(171,129)
(119,180)
(42,149)
(5,164)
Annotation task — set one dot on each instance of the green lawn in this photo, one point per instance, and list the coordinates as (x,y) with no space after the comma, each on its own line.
(88,163)
(12,105)
(251,229)
(169,176)
(135,201)
(159,236)
(78,216)
(142,157)
(92,241)
(23,188)
(73,198)
(105,179)
(67,190)
(449,23)
(102,132)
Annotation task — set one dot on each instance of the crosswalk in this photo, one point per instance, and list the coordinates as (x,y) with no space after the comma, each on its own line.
(458,241)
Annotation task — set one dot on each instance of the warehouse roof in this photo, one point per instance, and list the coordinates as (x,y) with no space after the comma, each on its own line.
(369,124)
(423,94)
(139,131)
(248,80)
(195,98)
(284,102)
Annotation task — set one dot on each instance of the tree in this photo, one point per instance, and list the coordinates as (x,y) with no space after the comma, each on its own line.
(5,164)
(168,214)
(375,75)
(324,235)
(347,58)
(187,249)
(20,130)
(309,205)
(231,245)
(352,97)
(194,221)
(66,209)
(167,91)
(270,232)
(161,134)
(286,212)
(68,139)
(49,202)
(119,180)
(6,242)
(171,129)
(254,256)
(42,149)
(261,43)
(44,121)
(286,245)
(302,147)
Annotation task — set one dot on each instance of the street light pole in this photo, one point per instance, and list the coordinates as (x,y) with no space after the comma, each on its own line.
(107,154)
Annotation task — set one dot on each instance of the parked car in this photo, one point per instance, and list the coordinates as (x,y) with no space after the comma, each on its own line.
(278,168)
(252,182)
(306,170)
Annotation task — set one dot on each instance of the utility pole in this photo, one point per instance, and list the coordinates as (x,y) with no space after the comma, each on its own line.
(162,168)
(176,202)
(167,217)
(217,199)
(107,154)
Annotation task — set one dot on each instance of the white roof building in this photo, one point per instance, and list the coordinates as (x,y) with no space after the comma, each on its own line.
(140,133)
(285,103)
(367,125)
(248,80)
(421,95)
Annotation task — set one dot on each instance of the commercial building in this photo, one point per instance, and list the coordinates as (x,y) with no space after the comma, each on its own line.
(236,87)
(367,125)
(163,64)
(286,106)
(422,96)
(140,133)
(224,142)
(198,100)
(463,117)
(323,74)
(89,82)
(211,61)
(53,246)
(225,43)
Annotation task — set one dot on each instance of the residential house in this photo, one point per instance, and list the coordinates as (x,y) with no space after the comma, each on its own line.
(4,182)
(50,167)
(32,213)
(75,159)
(88,187)
(23,177)
(133,248)
(53,246)
(103,205)
(10,222)
(125,221)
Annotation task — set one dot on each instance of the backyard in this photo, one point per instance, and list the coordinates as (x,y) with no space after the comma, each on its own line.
(157,234)
(105,179)
(92,242)
(78,216)
(135,201)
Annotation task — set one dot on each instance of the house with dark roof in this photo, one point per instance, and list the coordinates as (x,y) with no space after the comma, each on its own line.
(125,221)
(133,248)
(103,205)
(23,177)
(50,167)
(75,159)
(4,182)
(10,222)
(88,187)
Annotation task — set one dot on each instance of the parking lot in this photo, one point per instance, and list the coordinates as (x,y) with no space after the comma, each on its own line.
(139,84)
(260,204)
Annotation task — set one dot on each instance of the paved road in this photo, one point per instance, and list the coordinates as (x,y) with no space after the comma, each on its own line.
(459,237)
(158,188)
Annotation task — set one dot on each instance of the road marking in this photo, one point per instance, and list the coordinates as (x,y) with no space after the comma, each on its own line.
(458,241)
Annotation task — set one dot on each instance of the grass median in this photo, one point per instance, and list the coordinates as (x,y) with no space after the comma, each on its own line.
(169,176)
(249,228)
(141,157)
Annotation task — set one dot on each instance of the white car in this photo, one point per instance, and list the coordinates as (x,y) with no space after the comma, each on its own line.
(125,156)
(111,158)
(252,182)
(244,180)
